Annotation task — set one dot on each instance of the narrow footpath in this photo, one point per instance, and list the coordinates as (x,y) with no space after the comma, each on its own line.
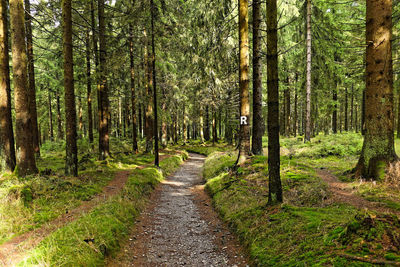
(180,228)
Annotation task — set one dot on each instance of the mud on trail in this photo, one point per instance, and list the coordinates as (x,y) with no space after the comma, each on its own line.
(180,228)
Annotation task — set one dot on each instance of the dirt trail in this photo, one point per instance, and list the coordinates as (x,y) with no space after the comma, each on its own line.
(180,228)
(12,251)
(342,193)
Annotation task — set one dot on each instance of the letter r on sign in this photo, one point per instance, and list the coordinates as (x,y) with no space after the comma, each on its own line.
(243,120)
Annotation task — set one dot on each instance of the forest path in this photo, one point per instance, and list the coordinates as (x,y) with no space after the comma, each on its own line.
(13,251)
(343,193)
(180,228)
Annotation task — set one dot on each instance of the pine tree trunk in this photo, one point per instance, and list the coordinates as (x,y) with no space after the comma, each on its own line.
(201,125)
(363,109)
(71,162)
(185,127)
(275,186)
(207,129)
(25,153)
(89,88)
(149,97)
(7,145)
(244,133)
(346,110)
(135,147)
(352,108)
(307,134)
(60,132)
(214,126)
(51,130)
(258,127)
(378,148)
(334,114)
(295,119)
(287,109)
(31,78)
(104,120)
(140,121)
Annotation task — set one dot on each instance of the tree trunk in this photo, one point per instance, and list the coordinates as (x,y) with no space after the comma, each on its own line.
(31,77)
(275,186)
(334,114)
(346,110)
(378,149)
(363,110)
(135,147)
(307,134)
(51,130)
(352,108)
(89,88)
(207,129)
(71,162)
(156,154)
(214,126)
(25,151)
(104,119)
(149,127)
(287,109)
(244,133)
(7,146)
(258,127)
(201,125)
(140,121)
(185,126)
(60,132)
(295,119)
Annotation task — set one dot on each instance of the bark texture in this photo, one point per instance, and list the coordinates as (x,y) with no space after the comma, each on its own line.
(7,146)
(275,186)
(244,133)
(258,127)
(104,112)
(378,148)
(71,161)
(89,89)
(307,132)
(31,77)
(133,93)
(25,154)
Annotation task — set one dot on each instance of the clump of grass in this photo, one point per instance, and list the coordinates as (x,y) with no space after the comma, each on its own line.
(218,162)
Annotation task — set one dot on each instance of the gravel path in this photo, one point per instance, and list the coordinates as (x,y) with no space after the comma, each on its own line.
(179,228)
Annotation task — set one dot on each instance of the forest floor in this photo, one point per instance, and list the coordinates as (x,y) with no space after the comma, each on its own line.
(13,251)
(180,228)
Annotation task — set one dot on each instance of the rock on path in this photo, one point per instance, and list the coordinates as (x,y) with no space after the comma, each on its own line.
(179,228)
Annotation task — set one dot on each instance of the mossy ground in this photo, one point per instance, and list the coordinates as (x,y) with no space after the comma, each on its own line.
(307,229)
(27,203)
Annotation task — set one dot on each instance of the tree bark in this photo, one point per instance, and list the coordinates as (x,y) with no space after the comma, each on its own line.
(201,125)
(51,130)
(275,186)
(287,108)
(31,77)
(104,119)
(156,154)
(207,128)
(244,133)
(214,126)
(258,127)
(25,153)
(135,147)
(7,145)
(60,132)
(378,148)
(346,110)
(352,108)
(307,132)
(149,126)
(295,119)
(89,89)
(71,162)
(334,114)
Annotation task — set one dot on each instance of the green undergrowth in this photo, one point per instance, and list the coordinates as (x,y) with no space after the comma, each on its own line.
(308,229)
(98,234)
(27,203)
(205,148)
